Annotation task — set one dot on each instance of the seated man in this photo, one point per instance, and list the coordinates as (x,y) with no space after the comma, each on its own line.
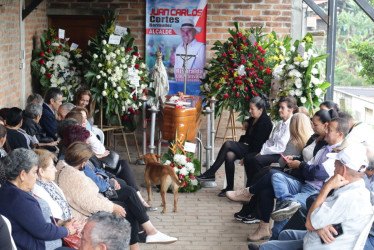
(341,211)
(106,231)
(292,193)
(52,101)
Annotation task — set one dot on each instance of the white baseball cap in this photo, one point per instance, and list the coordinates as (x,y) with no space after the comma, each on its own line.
(352,156)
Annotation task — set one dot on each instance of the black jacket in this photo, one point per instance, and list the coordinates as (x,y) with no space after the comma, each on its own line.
(49,122)
(34,129)
(257,134)
(16,139)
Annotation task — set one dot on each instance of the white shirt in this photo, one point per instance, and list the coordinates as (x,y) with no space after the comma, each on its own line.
(349,205)
(53,205)
(96,145)
(278,140)
(195,65)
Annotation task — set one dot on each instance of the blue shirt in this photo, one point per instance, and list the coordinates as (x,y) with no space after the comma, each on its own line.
(92,173)
(29,228)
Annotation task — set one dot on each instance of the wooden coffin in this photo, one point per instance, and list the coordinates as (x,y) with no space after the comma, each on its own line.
(186,120)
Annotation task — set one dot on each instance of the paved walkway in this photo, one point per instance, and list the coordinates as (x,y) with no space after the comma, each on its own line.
(204,220)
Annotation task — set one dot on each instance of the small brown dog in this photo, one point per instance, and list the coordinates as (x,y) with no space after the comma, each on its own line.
(162,175)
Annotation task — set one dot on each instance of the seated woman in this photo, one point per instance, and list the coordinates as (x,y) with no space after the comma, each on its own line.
(274,146)
(30,125)
(83,99)
(123,172)
(47,189)
(15,138)
(264,187)
(84,198)
(257,132)
(30,229)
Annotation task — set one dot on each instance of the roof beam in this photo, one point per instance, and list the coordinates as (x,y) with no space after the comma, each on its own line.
(30,8)
(320,12)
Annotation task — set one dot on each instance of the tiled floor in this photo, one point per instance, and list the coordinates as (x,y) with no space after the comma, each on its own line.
(204,220)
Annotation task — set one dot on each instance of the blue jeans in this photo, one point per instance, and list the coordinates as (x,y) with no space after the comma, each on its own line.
(288,240)
(369,245)
(287,187)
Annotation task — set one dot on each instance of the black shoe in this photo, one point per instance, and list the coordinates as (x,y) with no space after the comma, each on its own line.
(204,177)
(250,219)
(239,216)
(142,237)
(253,247)
(285,210)
(223,193)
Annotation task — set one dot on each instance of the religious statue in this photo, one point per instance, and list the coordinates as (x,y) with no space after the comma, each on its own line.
(160,80)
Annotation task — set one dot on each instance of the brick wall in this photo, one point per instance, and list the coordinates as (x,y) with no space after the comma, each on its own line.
(272,14)
(10,46)
(9,53)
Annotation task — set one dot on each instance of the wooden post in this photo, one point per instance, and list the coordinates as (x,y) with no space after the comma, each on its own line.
(230,125)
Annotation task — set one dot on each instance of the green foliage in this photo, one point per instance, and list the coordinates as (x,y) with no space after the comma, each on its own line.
(364,50)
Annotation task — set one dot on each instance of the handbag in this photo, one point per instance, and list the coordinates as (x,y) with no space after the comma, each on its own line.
(111,194)
(110,161)
(72,241)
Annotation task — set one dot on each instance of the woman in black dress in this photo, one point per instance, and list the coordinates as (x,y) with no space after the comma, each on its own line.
(257,132)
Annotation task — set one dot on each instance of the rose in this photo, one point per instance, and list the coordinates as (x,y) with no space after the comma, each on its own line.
(41,54)
(48,75)
(41,61)
(136,66)
(225,96)
(48,42)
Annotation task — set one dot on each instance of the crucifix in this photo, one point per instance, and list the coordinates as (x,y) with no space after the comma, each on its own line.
(185,58)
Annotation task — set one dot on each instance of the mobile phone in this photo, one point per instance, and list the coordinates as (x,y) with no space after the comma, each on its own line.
(284,158)
(339,230)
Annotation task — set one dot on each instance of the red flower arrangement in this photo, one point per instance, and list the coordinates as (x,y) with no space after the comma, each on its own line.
(239,71)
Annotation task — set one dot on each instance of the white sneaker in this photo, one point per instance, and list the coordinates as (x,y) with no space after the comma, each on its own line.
(239,195)
(160,238)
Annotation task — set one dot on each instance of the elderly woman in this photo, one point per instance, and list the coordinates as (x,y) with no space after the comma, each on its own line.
(30,125)
(84,198)
(46,189)
(30,229)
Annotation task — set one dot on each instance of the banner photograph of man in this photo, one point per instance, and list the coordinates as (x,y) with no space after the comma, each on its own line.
(195,63)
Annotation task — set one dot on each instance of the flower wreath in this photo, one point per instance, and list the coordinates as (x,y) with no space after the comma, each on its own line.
(117,74)
(300,73)
(239,71)
(56,65)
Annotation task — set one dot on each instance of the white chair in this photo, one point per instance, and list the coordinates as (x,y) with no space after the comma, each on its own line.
(99,133)
(364,235)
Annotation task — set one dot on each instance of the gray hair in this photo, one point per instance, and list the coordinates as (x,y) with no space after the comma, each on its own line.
(18,160)
(68,106)
(33,110)
(110,229)
(35,98)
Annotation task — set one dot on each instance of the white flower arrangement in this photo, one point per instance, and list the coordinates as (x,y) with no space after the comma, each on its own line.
(56,65)
(299,74)
(108,74)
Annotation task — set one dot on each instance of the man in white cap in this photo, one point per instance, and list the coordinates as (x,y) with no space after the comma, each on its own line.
(195,65)
(341,212)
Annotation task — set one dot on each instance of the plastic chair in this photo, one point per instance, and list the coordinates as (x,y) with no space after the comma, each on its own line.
(99,133)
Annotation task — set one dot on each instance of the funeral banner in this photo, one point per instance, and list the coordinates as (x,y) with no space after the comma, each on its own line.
(178,30)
